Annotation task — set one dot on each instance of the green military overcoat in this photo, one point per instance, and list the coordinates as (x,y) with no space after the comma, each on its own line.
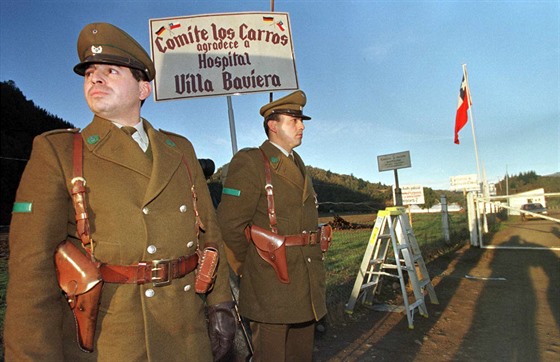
(262,297)
(140,210)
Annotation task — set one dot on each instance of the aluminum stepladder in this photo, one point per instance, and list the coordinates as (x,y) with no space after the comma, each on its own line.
(392,229)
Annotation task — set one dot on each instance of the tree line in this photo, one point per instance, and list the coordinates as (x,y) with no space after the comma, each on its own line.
(22,120)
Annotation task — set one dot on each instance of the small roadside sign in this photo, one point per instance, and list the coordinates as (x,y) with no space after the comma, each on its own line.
(393,161)
(464,183)
(412,194)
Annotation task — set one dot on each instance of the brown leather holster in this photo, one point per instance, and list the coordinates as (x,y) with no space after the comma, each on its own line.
(80,280)
(271,248)
(325,237)
(206,270)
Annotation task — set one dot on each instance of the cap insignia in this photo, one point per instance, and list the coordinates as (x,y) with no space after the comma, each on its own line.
(96,50)
(170,143)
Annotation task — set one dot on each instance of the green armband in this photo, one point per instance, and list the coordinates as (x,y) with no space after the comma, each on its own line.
(22,207)
(231,192)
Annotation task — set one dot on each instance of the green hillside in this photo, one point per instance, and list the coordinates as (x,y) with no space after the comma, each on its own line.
(22,120)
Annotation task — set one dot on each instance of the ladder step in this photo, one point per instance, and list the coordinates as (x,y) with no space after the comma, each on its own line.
(386,274)
(368,285)
(422,283)
(376,261)
(380,273)
(416,304)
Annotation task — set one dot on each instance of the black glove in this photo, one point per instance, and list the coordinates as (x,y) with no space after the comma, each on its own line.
(222,326)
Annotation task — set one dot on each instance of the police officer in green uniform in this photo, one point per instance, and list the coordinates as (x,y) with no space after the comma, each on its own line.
(282,313)
(142,216)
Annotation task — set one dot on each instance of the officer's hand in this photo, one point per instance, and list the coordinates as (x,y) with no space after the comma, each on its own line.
(222,326)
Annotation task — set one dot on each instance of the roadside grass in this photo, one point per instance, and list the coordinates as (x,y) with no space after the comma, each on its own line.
(343,260)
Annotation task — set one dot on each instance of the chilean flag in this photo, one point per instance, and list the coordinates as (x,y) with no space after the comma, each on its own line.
(462,107)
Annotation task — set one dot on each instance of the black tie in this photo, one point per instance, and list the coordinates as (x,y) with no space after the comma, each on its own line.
(129,130)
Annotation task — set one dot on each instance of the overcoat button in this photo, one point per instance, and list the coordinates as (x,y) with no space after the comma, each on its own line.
(146,211)
(149,293)
(183,208)
(152,249)
(187,287)
(190,244)
(309,260)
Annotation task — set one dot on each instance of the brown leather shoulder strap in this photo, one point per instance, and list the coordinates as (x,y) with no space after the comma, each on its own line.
(78,195)
(269,193)
(198,224)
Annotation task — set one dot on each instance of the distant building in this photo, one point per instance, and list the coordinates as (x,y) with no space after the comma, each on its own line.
(527,197)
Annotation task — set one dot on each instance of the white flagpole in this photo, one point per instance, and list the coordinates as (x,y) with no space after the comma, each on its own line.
(482,224)
(472,123)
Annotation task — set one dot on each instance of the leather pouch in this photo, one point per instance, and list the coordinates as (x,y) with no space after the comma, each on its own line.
(272,249)
(80,280)
(206,270)
(325,237)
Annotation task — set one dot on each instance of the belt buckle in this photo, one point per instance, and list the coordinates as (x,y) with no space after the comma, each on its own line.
(310,237)
(158,265)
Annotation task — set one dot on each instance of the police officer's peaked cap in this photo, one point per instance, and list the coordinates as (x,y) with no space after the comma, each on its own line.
(105,43)
(292,105)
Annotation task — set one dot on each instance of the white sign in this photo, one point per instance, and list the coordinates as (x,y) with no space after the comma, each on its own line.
(464,183)
(393,161)
(222,54)
(412,194)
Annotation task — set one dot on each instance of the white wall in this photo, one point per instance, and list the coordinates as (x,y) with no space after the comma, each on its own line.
(517,200)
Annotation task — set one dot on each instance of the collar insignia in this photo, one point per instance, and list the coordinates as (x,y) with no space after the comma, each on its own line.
(92,139)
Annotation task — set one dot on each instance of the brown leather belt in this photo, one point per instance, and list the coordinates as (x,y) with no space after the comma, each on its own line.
(158,272)
(305,238)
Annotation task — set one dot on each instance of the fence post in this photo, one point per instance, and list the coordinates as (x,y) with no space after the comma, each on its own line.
(444,218)
(471,213)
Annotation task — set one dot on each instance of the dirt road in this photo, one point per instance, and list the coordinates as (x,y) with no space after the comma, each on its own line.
(495,305)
